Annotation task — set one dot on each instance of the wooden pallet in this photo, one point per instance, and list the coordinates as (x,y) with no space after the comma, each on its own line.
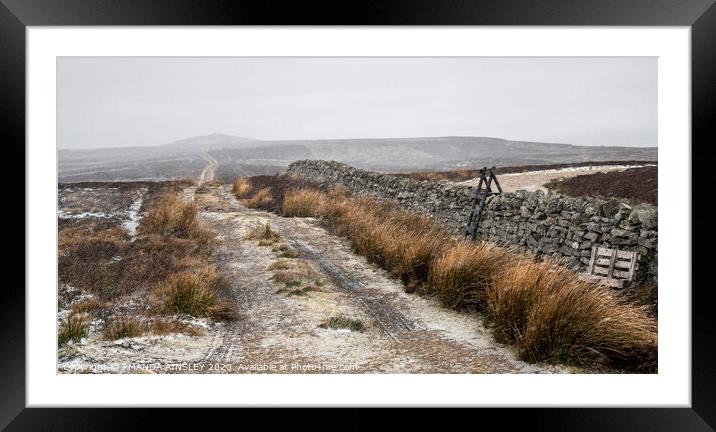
(611,266)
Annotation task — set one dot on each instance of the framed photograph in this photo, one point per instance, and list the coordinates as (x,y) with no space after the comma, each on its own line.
(434,205)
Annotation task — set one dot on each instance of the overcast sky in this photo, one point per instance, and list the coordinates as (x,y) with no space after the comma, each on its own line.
(114,101)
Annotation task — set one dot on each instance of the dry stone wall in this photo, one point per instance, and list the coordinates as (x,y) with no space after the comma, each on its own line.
(548,225)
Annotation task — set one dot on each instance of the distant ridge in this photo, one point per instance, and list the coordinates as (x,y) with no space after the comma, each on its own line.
(201,142)
(235,154)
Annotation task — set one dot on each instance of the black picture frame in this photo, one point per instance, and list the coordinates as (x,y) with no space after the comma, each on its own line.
(16,15)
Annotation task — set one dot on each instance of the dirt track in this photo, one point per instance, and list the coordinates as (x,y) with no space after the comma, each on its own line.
(207,174)
(405,333)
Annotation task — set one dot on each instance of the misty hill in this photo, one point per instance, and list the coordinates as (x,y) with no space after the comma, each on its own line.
(245,156)
(393,154)
(206,143)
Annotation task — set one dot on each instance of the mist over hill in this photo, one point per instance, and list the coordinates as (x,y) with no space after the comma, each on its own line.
(247,156)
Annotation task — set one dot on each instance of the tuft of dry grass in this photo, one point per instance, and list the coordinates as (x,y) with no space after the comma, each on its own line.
(553,316)
(124,327)
(197,292)
(261,199)
(265,234)
(303,203)
(296,276)
(73,329)
(286,251)
(580,323)
(172,217)
(417,254)
(282,264)
(342,322)
(462,275)
(242,187)
(514,293)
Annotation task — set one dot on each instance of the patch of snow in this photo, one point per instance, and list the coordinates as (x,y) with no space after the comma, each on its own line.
(197,322)
(136,343)
(65,215)
(95,325)
(62,314)
(133,214)
(188,194)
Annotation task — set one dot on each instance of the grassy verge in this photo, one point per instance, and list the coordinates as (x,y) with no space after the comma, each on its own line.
(543,309)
